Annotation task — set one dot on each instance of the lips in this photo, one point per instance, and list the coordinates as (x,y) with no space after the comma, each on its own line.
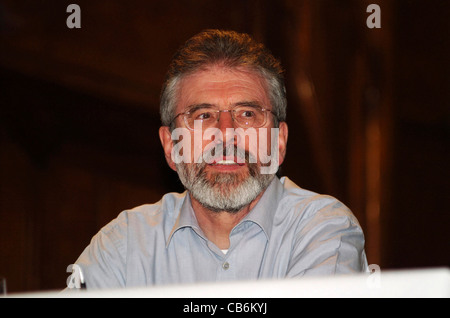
(227,163)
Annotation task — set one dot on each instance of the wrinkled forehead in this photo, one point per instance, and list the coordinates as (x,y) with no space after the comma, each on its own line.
(222,86)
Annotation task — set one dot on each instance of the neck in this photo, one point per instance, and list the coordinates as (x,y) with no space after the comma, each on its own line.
(217,226)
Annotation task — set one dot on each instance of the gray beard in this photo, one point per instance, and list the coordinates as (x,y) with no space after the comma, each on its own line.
(223,192)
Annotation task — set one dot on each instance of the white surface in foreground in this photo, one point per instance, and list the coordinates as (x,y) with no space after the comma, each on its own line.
(404,283)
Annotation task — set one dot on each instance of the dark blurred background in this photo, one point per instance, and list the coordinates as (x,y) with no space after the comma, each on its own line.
(368,114)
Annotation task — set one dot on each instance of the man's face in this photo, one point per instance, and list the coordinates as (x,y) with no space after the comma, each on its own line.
(225,182)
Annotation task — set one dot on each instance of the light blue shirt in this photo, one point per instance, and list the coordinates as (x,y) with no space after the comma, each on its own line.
(291,232)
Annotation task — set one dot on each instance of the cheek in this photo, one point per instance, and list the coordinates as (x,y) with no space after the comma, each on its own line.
(264,143)
(268,145)
(204,144)
(256,141)
(185,148)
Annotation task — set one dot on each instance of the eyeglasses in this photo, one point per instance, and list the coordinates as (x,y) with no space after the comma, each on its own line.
(245,116)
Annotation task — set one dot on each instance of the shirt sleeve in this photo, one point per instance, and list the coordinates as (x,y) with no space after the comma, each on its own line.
(103,262)
(329,241)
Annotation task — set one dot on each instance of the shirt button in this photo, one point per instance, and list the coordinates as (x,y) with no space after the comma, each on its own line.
(225,266)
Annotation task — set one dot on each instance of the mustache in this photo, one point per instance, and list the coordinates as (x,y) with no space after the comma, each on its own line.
(231,152)
(219,153)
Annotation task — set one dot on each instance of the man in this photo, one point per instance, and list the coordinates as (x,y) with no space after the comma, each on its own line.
(223,107)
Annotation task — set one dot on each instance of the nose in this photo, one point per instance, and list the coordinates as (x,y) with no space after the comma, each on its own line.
(226,121)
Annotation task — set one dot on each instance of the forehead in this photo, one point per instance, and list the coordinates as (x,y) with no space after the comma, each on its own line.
(222,86)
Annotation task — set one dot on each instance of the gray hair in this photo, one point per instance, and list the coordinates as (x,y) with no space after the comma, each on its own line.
(230,49)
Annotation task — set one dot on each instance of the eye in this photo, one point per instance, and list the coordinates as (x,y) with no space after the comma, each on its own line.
(202,114)
(247,114)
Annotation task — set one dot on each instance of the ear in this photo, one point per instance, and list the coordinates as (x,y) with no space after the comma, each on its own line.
(282,141)
(167,143)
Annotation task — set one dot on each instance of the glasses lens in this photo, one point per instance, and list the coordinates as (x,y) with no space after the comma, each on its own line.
(247,116)
(244,116)
(205,116)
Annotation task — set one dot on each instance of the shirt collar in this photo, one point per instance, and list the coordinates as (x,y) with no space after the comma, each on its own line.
(186,218)
(262,214)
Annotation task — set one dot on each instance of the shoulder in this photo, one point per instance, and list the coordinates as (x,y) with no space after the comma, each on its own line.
(148,215)
(327,236)
(308,205)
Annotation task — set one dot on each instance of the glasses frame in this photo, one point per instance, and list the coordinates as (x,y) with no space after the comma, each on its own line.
(231,111)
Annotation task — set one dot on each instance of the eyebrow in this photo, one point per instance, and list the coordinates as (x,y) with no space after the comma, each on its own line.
(254,104)
(194,107)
